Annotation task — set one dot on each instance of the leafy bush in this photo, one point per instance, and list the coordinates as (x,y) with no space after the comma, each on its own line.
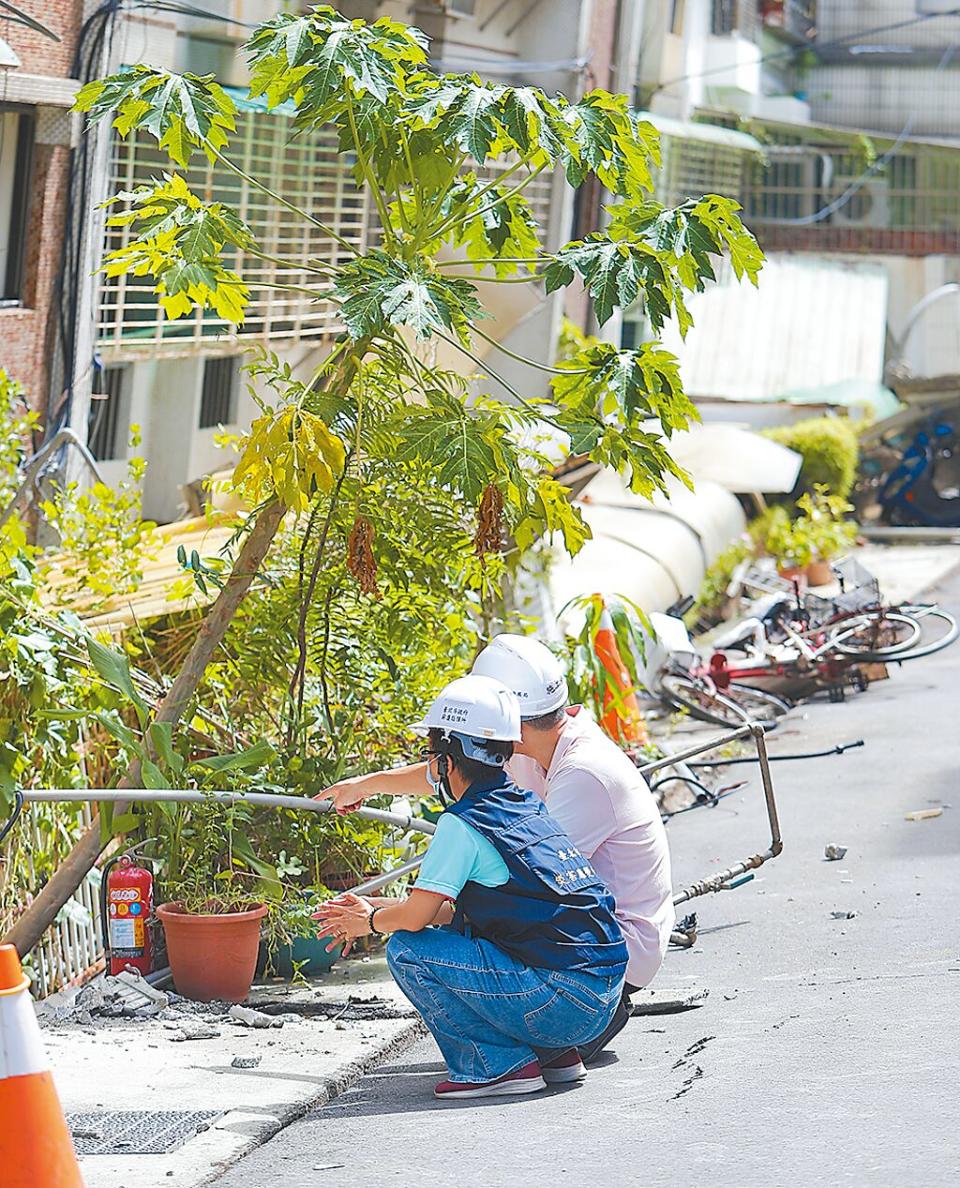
(830,452)
(818,533)
(17,422)
(713,589)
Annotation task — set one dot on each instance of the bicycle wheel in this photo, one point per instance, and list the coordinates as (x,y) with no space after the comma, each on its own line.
(878,636)
(704,702)
(760,706)
(938,631)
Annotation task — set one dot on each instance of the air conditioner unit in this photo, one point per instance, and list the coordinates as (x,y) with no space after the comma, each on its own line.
(867,206)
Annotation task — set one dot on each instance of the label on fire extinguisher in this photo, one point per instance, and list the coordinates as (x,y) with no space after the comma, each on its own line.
(127,924)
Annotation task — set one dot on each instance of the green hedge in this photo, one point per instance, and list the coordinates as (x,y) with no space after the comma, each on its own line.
(830,451)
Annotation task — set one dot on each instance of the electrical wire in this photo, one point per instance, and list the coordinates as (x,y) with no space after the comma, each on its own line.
(94,45)
(837,750)
(96,33)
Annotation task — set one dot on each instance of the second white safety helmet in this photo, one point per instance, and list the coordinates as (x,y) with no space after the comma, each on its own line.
(529,669)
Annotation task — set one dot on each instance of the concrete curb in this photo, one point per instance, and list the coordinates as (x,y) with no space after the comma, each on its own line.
(259,1128)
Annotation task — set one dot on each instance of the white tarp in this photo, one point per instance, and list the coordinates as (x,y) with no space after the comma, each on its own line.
(653,553)
(737,459)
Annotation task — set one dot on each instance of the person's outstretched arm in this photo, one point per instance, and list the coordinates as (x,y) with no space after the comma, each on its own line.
(396,781)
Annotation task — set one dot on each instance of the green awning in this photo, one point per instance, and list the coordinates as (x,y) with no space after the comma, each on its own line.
(247,102)
(864,394)
(708,133)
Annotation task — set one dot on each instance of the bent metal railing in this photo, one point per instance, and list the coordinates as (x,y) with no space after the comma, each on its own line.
(407,823)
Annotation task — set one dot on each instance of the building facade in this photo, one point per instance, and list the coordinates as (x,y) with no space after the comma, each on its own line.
(36,133)
(852,108)
(181,382)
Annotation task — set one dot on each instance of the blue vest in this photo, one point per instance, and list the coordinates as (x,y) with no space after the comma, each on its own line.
(553,912)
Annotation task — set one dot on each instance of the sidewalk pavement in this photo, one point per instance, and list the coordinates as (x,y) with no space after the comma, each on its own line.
(325,1044)
(906,571)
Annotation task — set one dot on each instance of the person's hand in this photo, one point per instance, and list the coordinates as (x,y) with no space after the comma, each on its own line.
(344,919)
(346,794)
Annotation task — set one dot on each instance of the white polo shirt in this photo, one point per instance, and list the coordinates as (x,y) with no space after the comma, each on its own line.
(600,800)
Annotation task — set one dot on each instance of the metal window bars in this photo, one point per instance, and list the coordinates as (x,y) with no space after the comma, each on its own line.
(308,171)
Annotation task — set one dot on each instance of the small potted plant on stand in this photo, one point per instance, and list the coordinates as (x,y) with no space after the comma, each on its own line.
(827,532)
(788,542)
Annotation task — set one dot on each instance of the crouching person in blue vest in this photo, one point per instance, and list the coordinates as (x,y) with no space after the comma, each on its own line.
(533,961)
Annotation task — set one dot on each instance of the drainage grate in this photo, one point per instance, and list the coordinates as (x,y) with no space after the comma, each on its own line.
(136,1132)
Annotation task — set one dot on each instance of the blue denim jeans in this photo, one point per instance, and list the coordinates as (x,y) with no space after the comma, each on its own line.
(489,1014)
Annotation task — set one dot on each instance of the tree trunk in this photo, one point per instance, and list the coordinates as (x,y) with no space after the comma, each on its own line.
(38,917)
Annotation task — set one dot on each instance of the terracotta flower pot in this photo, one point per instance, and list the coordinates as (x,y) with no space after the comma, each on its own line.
(793,573)
(819,573)
(212,956)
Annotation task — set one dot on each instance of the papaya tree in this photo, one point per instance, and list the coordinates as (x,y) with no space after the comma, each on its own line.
(446,160)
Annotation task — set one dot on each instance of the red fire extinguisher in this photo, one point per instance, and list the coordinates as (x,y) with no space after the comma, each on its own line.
(129,909)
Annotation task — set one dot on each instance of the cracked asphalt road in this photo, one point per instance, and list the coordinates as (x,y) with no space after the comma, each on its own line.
(827,1051)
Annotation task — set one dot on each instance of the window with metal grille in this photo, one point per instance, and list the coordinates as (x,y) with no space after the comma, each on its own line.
(733,16)
(107,414)
(219,397)
(307,170)
(16,148)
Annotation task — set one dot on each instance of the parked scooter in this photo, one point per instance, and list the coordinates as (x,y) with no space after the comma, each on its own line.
(924,488)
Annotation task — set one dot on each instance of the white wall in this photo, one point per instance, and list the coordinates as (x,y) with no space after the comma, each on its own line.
(163,397)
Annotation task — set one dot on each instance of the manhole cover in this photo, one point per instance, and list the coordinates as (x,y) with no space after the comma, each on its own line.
(136,1132)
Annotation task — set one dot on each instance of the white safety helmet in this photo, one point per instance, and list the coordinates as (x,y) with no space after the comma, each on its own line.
(476,710)
(529,669)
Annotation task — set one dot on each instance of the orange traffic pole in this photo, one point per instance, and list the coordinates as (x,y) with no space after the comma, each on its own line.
(621,719)
(35,1146)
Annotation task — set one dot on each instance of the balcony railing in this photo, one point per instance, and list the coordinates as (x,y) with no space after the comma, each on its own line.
(823,197)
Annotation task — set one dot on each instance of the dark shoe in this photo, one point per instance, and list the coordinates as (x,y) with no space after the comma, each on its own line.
(620,1018)
(563,1069)
(522,1080)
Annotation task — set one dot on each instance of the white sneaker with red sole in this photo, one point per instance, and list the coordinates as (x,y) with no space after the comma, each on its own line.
(523,1080)
(563,1069)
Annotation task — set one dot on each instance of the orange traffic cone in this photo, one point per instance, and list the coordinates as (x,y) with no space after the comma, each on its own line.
(621,719)
(35,1146)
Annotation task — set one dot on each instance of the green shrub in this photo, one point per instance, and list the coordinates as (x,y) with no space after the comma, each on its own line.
(713,589)
(830,452)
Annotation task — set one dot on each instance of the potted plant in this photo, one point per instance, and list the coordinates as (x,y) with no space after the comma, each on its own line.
(788,542)
(828,532)
(220,895)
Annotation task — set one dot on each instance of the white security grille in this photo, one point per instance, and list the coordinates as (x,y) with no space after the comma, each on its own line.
(308,172)
(73,946)
(692,167)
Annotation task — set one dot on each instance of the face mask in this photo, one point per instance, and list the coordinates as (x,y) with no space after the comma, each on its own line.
(434,781)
